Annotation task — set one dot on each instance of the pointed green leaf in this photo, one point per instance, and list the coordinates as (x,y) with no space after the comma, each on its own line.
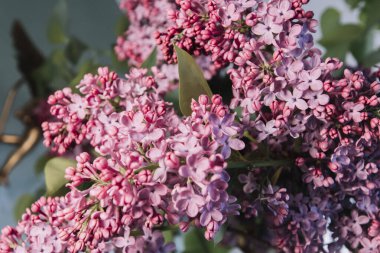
(372,58)
(330,20)
(86,67)
(173,97)
(23,202)
(151,60)
(75,49)
(55,174)
(122,25)
(41,164)
(57,24)
(276,176)
(196,243)
(192,83)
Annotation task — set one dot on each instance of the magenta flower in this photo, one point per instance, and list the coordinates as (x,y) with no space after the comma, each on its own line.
(266,30)
(309,80)
(195,168)
(41,230)
(189,202)
(281,12)
(124,241)
(294,99)
(224,126)
(370,246)
(252,100)
(357,221)
(78,106)
(316,98)
(230,14)
(353,111)
(210,213)
(265,129)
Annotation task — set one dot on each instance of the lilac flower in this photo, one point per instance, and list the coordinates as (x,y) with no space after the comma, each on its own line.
(266,30)
(310,80)
(110,122)
(249,181)
(353,111)
(78,106)
(265,130)
(209,213)
(41,230)
(294,99)
(316,98)
(42,248)
(290,68)
(231,14)
(251,102)
(357,221)
(229,143)
(281,12)
(245,4)
(370,246)
(189,202)
(195,168)
(223,127)
(124,241)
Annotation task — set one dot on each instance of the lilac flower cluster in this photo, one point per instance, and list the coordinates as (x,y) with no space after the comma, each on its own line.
(146,18)
(153,168)
(292,105)
(296,152)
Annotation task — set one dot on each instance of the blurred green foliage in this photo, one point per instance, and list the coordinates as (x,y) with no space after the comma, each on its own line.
(354,38)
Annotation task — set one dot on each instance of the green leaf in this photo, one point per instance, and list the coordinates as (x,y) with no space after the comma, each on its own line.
(276,176)
(75,49)
(338,38)
(55,175)
(330,19)
(86,67)
(353,3)
(196,243)
(151,60)
(119,66)
(372,58)
(173,97)
(192,83)
(29,59)
(57,24)
(219,236)
(41,164)
(22,203)
(370,13)
(168,236)
(122,25)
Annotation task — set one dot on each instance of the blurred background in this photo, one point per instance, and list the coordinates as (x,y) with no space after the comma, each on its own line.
(92,24)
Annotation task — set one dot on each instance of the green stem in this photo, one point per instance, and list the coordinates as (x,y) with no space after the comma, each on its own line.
(259,163)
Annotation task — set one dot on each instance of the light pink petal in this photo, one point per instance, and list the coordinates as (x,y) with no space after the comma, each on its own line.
(259,29)
(304,76)
(236,144)
(284,5)
(323,99)
(192,209)
(303,86)
(317,85)
(301,104)
(315,73)
(119,242)
(276,28)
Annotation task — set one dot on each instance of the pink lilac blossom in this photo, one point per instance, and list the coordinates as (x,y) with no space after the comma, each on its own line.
(153,168)
(146,18)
